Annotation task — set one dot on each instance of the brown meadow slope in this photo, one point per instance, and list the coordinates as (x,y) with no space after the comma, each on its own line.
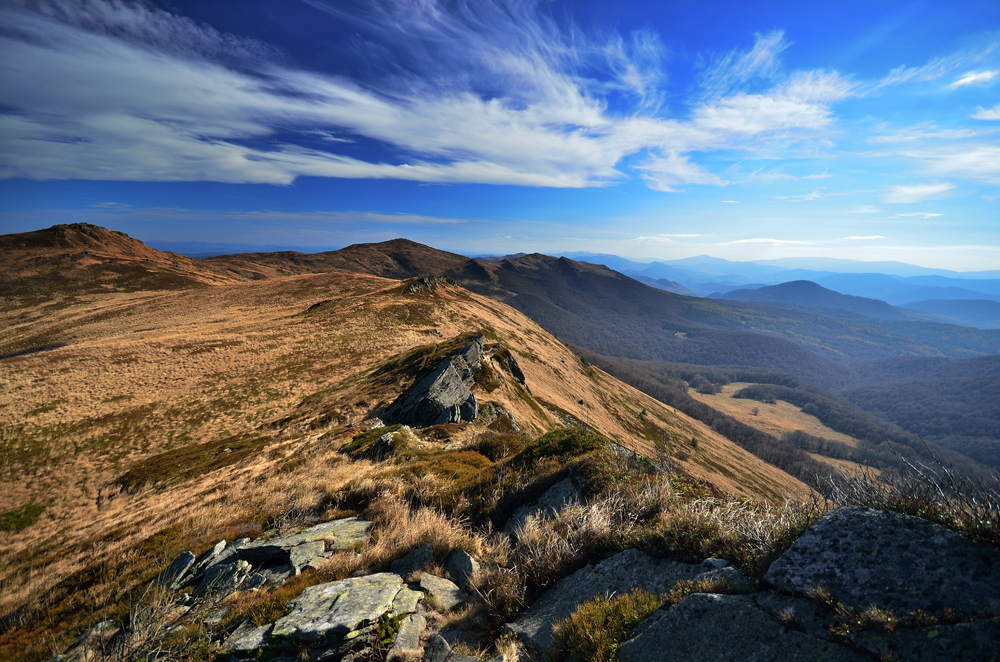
(174,414)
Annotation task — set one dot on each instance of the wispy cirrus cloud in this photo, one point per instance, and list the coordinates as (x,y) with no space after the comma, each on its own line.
(917,214)
(126,91)
(987,114)
(815,194)
(865,238)
(867,209)
(772,242)
(916,193)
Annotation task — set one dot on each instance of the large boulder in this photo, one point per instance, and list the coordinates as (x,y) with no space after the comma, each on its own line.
(724,627)
(865,557)
(442,396)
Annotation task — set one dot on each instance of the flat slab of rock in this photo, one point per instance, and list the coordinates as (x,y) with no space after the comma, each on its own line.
(561,495)
(865,557)
(306,547)
(445,592)
(617,575)
(338,609)
(407,644)
(222,578)
(708,626)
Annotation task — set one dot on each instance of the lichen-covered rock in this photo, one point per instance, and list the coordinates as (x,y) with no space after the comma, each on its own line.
(462,567)
(444,592)
(417,559)
(442,396)
(724,627)
(340,609)
(865,557)
(248,637)
(619,574)
(308,547)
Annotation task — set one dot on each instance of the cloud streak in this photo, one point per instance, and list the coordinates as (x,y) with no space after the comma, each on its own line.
(120,91)
(916,193)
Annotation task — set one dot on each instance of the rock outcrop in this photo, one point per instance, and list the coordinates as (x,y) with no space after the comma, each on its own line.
(444,395)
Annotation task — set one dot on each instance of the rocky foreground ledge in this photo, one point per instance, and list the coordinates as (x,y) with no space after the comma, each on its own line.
(858,585)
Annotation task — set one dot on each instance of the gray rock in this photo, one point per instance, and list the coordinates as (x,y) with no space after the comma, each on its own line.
(415,560)
(563,494)
(406,601)
(866,557)
(707,626)
(797,613)
(227,555)
(247,637)
(462,567)
(268,577)
(459,637)
(306,548)
(442,396)
(173,575)
(408,638)
(739,582)
(969,642)
(437,649)
(619,574)
(445,593)
(338,609)
(222,578)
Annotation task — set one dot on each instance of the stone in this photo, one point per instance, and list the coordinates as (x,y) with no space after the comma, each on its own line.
(247,637)
(561,495)
(969,642)
(228,554)
(268,576)
(444,592)
(739,582)
(407,642)
(443,396)
(222,578)
(306,548)
(415,560)
(208,557)
(406,601)
(339,609)
(462,567)
(797,613)
(614,576)
(437,649)
(173,575)
(865,557)
(707,626)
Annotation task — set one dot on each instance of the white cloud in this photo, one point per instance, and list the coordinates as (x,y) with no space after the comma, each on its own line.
(984,114)
(975,161)
(916,193)
(730,202)
(916,214)
(813,195)
(974,77)
(771,242)
(868,209)
(117,91)
(819,175)
(869,237)
(730,72)
(924,132)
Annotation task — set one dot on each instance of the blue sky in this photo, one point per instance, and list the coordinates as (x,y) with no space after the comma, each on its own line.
(863,130)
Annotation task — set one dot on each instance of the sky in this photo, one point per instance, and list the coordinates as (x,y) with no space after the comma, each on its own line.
(650,130)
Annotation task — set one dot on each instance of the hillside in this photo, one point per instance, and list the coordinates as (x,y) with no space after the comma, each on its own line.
(978,313)
(70,260)
(808,293)
(229,403)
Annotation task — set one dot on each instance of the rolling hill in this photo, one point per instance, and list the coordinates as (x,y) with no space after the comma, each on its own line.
(808,293)
(977,313)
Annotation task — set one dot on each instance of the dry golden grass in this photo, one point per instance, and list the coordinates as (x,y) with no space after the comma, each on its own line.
(256,393)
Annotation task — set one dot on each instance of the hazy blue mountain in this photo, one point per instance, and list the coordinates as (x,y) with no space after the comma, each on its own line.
(201,249)
(977,313)
(899,291)
(808,293)
(664,284)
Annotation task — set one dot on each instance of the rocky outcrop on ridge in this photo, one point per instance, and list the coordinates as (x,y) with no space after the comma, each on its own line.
(858,585)
(443,396)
